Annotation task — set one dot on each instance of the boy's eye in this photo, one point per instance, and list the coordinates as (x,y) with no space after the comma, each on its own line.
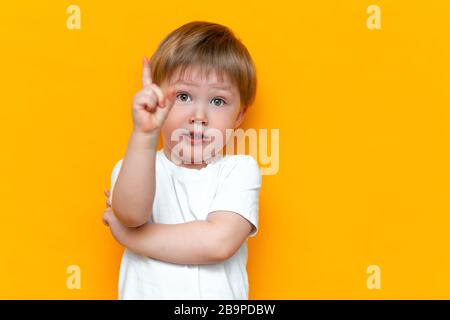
(183,96)
(220,100)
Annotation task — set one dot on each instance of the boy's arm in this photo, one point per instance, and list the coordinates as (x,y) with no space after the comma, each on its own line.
(198,242)
(134,190)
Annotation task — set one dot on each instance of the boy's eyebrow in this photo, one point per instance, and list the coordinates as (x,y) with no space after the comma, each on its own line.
(226,87)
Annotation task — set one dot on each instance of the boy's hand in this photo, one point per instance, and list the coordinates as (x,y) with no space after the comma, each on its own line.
(109,219)
(150,105)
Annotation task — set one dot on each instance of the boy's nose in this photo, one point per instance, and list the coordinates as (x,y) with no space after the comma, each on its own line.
(199,121)
(199,116)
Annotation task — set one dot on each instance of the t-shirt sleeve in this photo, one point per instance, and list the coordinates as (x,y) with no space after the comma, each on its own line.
(239,191)
(114,175)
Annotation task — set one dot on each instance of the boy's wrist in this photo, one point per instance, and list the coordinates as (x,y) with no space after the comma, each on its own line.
(120,232)
(145,140)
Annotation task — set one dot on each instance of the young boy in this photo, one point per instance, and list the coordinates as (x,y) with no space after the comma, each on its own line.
(184,212)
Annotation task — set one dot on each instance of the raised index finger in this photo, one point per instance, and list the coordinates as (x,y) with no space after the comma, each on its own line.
(146,73)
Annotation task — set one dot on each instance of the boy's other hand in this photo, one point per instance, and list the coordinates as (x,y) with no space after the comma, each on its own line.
(107,192)
(109,219)
(107,214)
(150,105)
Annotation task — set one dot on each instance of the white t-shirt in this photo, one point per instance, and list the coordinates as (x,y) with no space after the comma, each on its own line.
(229,183)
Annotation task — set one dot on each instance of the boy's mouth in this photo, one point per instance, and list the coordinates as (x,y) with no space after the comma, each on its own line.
(197,137)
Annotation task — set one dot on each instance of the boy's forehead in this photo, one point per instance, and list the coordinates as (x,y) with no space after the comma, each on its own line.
(194,77)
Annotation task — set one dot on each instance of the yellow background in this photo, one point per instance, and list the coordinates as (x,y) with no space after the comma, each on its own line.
(364,142)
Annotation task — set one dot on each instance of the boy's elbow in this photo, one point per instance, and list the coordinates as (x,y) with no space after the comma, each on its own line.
(131,221)
(220,254)
(220,251)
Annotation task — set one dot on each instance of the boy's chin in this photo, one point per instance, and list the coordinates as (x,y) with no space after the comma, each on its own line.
(193,155)
(198,160)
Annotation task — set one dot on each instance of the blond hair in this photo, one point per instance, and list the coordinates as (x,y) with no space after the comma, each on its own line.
(207,45)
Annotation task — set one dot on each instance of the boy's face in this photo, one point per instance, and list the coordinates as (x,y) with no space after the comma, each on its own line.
(209,105)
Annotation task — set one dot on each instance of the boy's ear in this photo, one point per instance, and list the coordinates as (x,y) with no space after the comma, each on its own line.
(239,118)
